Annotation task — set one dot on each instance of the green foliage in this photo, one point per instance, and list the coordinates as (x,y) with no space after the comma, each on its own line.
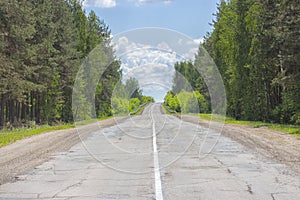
(10,136)
(42,44)
(172,102)
(139,110)
(187,78)
(147,99)
(182,98)
(134,104)
(167,109)
(290,129)
(201,102)
(128,97)
(132,88)
(255,45)
(186,102)
(120,105)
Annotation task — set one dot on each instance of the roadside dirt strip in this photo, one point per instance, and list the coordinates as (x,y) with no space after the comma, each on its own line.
(152,156)
(272,144)
(24,155)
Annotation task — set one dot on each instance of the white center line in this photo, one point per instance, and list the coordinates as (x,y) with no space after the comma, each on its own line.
(158,188)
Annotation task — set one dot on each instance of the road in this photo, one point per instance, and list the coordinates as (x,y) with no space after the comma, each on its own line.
(156,156)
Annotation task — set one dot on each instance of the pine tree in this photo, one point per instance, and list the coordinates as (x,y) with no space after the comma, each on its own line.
(17,27)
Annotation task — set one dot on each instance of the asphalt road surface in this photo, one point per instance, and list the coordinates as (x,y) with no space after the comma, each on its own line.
(156,156)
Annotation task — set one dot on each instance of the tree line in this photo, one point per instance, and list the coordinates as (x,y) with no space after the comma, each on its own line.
(255,45)
(42,44)
(186,102)
(128,97)
(189,93)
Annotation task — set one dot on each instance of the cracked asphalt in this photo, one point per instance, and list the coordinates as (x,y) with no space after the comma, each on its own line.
(195,163)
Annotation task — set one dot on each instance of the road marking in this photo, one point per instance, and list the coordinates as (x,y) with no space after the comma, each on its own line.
(158,188)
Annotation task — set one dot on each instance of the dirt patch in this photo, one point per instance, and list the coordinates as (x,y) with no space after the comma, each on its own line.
(23,155)
(275,145)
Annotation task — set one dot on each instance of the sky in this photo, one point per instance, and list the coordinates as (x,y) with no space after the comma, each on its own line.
(190,17)
(175,29)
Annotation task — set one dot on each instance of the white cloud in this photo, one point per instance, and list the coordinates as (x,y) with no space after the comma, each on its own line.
(154,79)
(113,3)
(122,44)
(191,54)
(152,64)
(199,41)
(180,41)
(141,2)
(167,1)
(164,46)
(100,3)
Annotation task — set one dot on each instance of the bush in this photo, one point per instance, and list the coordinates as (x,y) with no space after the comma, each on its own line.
(134,104)
(146,99)
(172,102)
(186,102)
(119,105)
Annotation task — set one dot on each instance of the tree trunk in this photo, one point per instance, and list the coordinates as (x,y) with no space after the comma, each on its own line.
(31,106)
(11,112)
(37,109)
(2,116)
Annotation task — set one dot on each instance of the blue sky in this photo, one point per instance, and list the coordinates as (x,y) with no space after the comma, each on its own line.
(190,17)
(149,54)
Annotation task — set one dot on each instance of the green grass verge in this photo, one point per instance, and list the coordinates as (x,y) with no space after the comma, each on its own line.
(166,110)
(10,136)
(290,129)
(140,110)
(90,121)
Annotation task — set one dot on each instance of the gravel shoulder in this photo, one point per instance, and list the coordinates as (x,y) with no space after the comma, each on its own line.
(275,145)
(23,155)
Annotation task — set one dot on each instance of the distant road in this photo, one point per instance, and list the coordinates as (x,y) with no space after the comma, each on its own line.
(154,156)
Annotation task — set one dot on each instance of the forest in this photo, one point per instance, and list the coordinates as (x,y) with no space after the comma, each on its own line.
(42,45)
(254,43)
(256,47)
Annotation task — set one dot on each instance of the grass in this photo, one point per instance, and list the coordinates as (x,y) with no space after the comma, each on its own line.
(140,110)
(290,129)
(85,122)
(10,136)
(166,110)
